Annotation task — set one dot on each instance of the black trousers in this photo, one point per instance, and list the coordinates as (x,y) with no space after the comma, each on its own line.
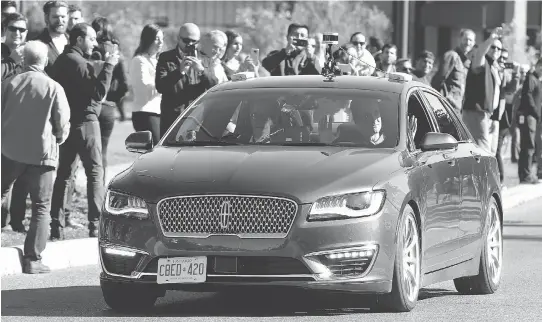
(85,141)
(145,121)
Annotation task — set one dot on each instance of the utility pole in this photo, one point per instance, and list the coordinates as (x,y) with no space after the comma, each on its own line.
(405,22)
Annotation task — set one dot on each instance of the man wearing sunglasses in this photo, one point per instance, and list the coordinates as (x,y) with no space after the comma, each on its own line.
(180,76)
(14,30)
(484,95)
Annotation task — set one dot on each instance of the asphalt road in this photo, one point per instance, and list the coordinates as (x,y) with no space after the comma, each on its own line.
(75,294)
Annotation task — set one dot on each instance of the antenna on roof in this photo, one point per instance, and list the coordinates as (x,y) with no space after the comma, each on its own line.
(330,68)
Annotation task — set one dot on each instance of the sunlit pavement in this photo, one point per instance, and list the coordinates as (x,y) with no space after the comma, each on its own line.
(75,294)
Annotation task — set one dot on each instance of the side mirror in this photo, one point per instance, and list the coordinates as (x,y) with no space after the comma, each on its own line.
(139,142)
(438,141)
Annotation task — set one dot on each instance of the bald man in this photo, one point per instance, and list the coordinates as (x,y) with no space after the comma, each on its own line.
(180,76)
(35,121)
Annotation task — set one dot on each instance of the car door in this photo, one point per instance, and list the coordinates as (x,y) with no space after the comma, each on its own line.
(438,189)
(447,201)
(473,176)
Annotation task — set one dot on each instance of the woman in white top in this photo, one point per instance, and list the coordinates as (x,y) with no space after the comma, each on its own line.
(146,100)
(234,61)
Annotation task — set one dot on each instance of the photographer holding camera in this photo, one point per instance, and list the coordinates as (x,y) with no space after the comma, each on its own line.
(294,59)
(180,76)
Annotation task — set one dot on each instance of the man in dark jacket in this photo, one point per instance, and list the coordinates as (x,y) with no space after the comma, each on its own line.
(530,126)
(484,92)
(180,76)
(14,29)
(291,60)
(85,93)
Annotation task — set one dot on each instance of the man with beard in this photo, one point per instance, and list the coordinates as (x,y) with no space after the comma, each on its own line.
(452,74)
(85,92)
(54,35)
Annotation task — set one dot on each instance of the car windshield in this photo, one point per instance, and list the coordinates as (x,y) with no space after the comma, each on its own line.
(290,116)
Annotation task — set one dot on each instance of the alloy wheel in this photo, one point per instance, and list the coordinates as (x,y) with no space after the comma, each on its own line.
(411,258)
(494,245)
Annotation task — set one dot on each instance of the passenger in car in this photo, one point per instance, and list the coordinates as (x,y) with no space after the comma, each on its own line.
(369,121)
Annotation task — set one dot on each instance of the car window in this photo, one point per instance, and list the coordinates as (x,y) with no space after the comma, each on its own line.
(423,122)
(444,120)
(287,116)
(456,116)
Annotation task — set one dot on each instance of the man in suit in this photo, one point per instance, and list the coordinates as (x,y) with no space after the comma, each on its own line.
(291,60)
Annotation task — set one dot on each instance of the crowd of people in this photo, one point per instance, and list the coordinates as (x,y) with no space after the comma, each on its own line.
(61,93)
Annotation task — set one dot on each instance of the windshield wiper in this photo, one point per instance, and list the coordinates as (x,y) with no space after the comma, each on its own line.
(307,144)
(202,143)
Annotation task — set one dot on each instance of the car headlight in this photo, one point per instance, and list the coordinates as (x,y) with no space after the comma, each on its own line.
(121,204)
(346,206)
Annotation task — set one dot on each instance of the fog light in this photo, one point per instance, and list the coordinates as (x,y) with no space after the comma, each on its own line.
(119,252)
(352,254)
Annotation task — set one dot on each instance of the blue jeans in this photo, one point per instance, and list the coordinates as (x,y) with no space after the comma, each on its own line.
(39,181)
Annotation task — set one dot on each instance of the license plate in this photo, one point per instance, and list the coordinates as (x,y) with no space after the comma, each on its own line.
(521,119)
(182,270)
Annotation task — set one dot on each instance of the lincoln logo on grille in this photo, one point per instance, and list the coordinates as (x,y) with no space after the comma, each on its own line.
(225,214)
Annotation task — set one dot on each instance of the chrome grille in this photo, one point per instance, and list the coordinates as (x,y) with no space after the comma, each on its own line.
(245,216)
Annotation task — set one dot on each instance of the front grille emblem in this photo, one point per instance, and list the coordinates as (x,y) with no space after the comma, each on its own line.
(225,214)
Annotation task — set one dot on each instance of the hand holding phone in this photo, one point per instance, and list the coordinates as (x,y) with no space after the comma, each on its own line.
(255,54)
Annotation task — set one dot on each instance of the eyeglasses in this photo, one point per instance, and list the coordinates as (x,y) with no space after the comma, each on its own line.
(14,29)
(496,48)
(189,41)
(358,43)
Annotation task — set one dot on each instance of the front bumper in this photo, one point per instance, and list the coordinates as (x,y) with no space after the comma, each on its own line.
(344,255)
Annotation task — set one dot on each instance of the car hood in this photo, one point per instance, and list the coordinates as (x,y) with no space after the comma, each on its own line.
(302,173)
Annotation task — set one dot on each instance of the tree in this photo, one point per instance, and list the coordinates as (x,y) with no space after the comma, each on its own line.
(265,26)
(517,45)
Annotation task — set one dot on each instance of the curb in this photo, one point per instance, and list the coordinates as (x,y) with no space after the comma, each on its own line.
(57,255)
(84,252)
(515,196)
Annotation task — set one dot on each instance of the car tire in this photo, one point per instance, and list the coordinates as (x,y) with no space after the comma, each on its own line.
(124,297)
(407,267)
(491,258)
